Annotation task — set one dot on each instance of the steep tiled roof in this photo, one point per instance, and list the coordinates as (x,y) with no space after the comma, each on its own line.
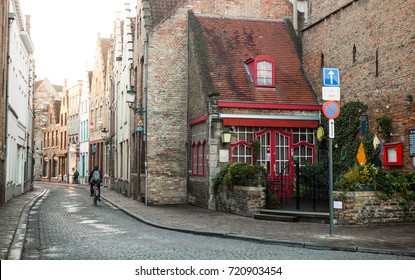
(229,41)
(160,9)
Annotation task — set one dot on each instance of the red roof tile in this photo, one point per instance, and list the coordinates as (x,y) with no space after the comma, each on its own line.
(229,41)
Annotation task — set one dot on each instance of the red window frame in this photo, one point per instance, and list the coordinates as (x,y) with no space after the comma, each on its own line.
(198,154)
(239,143)
(252,64)
(398,156)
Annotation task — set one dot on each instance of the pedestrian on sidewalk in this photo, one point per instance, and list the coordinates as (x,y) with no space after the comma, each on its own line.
(76,176)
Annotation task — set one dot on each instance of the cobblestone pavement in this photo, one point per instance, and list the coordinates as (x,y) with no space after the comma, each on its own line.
(65,225)
(13,217)
(395,239)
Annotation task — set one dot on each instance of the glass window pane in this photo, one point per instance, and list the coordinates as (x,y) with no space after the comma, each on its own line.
(264,73)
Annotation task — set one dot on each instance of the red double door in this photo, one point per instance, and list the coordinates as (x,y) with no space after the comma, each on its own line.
(277,156)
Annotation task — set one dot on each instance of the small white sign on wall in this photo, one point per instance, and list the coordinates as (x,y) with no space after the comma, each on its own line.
(223,155)
(338,205)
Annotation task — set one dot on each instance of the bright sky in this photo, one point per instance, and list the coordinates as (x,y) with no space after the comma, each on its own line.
(64,34)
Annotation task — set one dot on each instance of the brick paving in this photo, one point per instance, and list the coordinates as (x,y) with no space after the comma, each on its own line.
(396,238)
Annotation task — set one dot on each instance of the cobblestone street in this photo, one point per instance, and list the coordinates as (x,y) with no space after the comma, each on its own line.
(64,224)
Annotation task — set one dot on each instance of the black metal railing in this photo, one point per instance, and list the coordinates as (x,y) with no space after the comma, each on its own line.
(289,193)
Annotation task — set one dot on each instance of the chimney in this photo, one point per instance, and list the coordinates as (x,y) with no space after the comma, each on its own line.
(28,24)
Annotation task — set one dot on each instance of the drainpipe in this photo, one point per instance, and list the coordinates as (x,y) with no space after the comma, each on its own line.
(145,82)
(6,125)
(295,16)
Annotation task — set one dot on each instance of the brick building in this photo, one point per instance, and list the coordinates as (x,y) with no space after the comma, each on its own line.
(98,105)
(372,43)
(245,76)
(162,78)
(45,94)
(54,140)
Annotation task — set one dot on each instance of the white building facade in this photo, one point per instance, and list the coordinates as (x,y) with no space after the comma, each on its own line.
(123,68)
(83,131)
(74,96)
(19,115)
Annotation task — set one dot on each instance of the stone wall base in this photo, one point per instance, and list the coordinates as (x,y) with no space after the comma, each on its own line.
(242,200)
(366,208)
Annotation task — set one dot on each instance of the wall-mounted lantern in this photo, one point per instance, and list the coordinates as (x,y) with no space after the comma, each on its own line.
(226,137)
(131,90)
(131,105)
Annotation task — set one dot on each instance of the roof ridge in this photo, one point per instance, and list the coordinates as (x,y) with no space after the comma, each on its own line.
(240,18)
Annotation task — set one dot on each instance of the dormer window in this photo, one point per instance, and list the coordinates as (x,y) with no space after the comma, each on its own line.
(261,70)
(264,73)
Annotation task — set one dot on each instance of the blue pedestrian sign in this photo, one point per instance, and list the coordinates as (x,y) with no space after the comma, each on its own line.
(331,77)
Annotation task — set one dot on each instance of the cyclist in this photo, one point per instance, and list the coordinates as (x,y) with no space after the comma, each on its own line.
(95,178)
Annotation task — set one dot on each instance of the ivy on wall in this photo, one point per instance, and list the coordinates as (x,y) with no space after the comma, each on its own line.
(384,127)
(348,137)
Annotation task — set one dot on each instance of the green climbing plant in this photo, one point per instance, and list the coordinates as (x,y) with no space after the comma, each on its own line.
(384,127)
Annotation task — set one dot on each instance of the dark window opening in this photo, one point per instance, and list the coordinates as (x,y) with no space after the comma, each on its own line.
(377,63)
(354,53)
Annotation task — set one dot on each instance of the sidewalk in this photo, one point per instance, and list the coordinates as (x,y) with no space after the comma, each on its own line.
(397,238)
(13,217)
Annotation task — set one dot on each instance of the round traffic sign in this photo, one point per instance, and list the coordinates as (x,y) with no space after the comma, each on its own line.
(331,109)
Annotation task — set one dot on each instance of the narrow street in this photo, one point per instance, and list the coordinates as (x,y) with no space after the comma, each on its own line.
(65,225)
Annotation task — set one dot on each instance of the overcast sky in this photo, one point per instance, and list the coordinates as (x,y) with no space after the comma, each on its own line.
(64,34)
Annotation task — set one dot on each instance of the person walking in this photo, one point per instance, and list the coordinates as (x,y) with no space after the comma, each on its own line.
(75,177)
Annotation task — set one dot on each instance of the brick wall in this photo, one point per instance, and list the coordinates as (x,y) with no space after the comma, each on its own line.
(381,73)
(320,8)
(167,114)
(199,89)
(243,8)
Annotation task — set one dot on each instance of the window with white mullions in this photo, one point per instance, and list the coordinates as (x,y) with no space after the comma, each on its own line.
(242,149)
(282,157)
(242,153)
(264,73)
(265,152)
(304,144)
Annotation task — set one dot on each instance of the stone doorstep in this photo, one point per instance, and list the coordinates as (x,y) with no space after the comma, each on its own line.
(271,217)
(292,216)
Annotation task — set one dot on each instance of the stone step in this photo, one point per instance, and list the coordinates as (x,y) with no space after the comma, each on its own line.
(271,217)
(291,216)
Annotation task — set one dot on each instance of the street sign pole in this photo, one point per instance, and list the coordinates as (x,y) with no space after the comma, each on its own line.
(331,109)
(331,186)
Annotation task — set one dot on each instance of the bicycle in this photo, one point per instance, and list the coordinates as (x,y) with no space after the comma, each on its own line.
(96,193)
